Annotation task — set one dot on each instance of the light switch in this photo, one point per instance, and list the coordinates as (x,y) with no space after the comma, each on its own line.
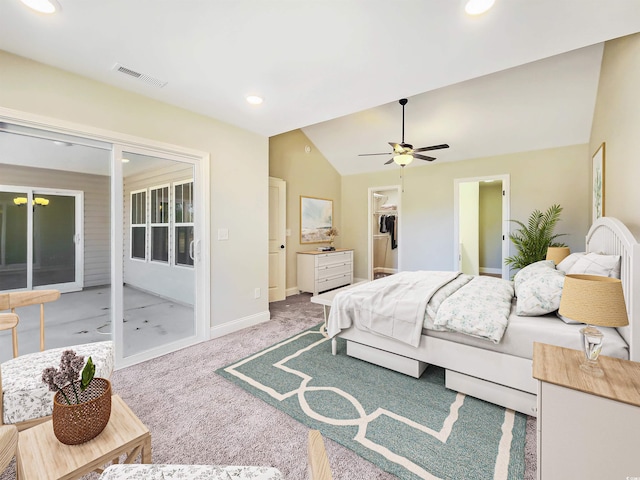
(223,234)
(288,232)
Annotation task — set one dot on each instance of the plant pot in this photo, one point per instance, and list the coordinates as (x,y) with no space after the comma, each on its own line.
(78,423)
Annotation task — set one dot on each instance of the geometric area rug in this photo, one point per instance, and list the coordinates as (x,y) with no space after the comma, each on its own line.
(412,428)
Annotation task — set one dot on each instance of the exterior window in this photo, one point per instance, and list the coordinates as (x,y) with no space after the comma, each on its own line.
(139,224)
(159,223)
(183,223)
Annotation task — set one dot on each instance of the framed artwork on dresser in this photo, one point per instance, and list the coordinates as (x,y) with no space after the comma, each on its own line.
(597,207)
(316,218)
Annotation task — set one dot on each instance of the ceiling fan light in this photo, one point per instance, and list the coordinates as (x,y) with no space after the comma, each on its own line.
(403,159)
(42,6)
(478,7)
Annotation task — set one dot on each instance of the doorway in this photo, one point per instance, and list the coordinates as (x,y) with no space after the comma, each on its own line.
(384,231)
(481,225)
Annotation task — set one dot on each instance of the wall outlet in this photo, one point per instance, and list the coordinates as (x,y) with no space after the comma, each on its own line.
(256,293)
(288,232)
(223,234)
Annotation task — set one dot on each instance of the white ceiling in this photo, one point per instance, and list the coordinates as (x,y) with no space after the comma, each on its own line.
(315,61)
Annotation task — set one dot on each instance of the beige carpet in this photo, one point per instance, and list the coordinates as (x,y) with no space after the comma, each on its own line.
(198,417)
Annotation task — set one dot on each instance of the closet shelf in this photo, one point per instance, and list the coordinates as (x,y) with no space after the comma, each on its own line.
(385,212)
(381,235)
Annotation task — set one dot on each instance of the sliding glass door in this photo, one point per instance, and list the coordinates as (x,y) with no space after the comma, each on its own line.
(40,231)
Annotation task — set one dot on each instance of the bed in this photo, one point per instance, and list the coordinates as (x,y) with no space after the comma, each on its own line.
(500,372)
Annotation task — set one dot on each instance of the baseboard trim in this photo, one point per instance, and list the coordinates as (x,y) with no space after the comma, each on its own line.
(291,291)
(496,271)
(239,324)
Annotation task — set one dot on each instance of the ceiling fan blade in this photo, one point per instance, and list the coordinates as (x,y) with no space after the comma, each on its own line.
(433,147)
(388,162)
(370,154)
(423,157)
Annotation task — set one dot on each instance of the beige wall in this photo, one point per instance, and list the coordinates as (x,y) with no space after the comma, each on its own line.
(239,167)
(616,122)
(307,174)
(538,180)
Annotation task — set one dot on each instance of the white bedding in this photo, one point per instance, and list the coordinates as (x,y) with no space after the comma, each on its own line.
(393,306)
(399,305)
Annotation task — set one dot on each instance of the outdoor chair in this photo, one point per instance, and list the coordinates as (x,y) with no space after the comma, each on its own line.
(25,400)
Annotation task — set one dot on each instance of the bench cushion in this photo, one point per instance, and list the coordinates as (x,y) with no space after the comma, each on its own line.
(26,397)
(189,472)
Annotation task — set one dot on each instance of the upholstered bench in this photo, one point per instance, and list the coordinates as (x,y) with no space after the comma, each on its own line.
(189,472)
(25,398)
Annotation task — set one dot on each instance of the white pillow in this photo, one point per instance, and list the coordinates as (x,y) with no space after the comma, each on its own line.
(569,261)
(566,319)
(540,294)
(596,264)
(531,271)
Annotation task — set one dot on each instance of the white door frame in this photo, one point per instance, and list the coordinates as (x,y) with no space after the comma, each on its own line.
(506,192)
(202,196)
(398,188)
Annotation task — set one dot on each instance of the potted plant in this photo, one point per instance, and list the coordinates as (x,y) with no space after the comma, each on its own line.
(332,233)
(533,239)
(82,403)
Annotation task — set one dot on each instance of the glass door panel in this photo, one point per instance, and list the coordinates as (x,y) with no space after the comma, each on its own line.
(54,239)
(14,221)
(158,268)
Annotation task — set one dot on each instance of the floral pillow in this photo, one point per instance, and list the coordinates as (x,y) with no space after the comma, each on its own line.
(531,271)
(540,294)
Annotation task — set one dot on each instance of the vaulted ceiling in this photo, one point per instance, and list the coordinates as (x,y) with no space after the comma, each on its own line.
(519,77)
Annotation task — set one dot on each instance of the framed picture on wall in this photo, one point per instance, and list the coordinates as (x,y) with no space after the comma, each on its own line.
(316,218)
(597,189)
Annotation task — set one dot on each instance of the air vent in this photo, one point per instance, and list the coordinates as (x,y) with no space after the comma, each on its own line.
(140,76)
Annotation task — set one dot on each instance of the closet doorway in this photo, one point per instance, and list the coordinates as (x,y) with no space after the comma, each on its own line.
(481,225)
(384,231)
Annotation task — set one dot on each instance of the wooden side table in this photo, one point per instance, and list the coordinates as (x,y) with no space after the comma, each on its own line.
(588,427)
(42,457)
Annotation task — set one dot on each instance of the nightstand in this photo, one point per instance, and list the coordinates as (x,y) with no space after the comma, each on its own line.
(588,427)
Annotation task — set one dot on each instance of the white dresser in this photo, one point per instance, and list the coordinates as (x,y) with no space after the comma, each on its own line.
(587,426)
(321,271)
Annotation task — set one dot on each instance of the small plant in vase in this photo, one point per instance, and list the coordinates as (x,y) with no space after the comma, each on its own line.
(82,403)
(332,233)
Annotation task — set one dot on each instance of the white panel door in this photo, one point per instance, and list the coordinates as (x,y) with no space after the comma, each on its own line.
(277,239)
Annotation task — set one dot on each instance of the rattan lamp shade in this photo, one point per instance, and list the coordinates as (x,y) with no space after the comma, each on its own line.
(557,254)
(594,300)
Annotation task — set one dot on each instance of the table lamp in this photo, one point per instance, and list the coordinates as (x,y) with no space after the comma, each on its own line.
(594,300)
(557,254)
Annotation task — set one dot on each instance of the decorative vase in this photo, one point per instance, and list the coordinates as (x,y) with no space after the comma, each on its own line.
(80,422)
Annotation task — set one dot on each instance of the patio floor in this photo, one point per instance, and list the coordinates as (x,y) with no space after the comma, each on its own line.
(84,317)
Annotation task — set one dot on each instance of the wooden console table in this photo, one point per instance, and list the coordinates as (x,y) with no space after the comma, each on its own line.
(42,457)
(587,426)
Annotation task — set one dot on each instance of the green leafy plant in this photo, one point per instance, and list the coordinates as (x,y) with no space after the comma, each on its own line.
(532,240)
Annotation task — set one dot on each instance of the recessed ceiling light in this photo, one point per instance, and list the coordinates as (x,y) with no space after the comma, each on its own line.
(125,160)
(42,6)
(62,144)
(254,99)
(477,7)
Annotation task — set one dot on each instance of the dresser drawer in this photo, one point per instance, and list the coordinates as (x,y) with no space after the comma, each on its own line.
(334,270)
(333,257)
(334,282)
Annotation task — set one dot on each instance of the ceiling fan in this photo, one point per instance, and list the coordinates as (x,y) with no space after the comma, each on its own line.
(404,153)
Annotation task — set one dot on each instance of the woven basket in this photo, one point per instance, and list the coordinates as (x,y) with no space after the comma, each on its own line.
(79,423)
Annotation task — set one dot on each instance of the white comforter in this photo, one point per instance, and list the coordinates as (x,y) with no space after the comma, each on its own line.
(393,306)
(399,305)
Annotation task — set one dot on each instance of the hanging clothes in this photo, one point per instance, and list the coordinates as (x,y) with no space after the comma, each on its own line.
(390,224)
(383,224)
